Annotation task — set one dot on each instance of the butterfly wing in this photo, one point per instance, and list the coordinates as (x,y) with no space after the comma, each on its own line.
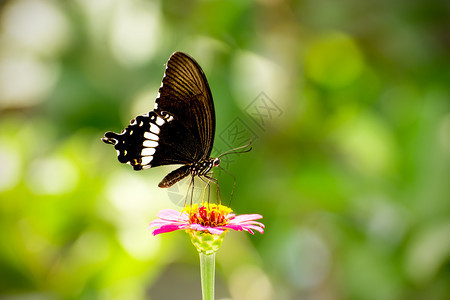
(180,130)
(186,94)
(153,140)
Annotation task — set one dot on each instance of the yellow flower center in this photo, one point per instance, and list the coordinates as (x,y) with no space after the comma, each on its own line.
(207,214)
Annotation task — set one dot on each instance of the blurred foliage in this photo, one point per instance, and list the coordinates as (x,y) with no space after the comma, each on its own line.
(350,166)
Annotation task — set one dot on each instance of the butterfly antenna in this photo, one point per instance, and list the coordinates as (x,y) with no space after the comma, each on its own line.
(234,150)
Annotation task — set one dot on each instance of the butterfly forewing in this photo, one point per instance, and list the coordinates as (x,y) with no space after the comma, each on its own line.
(180,130)
(186,94)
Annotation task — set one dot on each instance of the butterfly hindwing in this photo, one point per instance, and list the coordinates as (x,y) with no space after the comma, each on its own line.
(153,140)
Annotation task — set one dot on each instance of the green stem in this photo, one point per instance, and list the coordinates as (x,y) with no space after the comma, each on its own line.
(207,269)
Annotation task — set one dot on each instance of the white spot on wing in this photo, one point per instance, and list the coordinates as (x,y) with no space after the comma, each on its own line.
(147,151)
(170,118)
(146,160)
(154,129)
(150,144)
(159,121)
(151,136)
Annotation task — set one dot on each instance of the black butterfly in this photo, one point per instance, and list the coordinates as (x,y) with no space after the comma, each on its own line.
(180,130)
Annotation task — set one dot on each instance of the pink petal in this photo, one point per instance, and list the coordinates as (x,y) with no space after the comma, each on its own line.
(253,223)
(162,222)
(257,228)
(247,222)
(159,223)
(234,227)
(246,218)
(215,230)
(212,230)
(172,215)
(197,227)
(230,216)
(249,231)
(166,228)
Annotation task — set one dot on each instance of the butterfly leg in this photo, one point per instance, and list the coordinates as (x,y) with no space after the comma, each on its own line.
(207,186)
(216,182)
(192,189)
(234,183)
(191,183)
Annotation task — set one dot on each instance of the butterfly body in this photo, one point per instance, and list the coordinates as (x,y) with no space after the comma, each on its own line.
(180,129)
(200,168)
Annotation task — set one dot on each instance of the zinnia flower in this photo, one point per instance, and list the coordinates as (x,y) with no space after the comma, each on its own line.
(208,218)
(206,223)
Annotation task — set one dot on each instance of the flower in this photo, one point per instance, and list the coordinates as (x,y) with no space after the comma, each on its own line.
(205,218)
(206,224)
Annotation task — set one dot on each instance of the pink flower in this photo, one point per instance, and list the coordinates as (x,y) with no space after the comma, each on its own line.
(211,218)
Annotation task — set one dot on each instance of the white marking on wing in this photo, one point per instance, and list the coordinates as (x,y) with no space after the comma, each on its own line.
(151,136)
(150,144)
(147,151)
(154,129)
(146,160)
(159,121)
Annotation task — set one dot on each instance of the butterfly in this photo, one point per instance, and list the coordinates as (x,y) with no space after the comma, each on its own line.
(179,130)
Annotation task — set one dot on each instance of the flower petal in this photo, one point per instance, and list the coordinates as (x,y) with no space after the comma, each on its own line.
(159,223)
(172,215)
(234,227)
(212,230)
(197,227)
(252,224)
(246,218)
(257,228)
(215,230)
(162,222)
(249,230)
(167,228)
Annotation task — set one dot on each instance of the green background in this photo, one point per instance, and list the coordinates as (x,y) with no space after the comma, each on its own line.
(350,167)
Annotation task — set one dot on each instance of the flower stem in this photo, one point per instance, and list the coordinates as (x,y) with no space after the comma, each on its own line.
(207,270)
